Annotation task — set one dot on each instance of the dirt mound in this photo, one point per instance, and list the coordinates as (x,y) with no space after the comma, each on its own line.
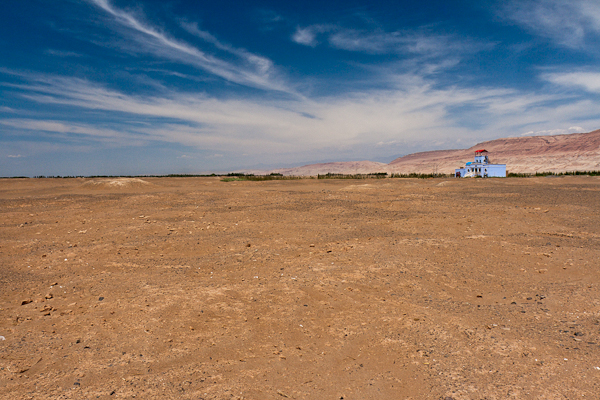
(116,183)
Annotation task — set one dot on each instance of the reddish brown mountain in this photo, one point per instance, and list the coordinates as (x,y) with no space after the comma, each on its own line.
(559,153)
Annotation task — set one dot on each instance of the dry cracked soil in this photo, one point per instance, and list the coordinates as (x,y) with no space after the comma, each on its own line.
(195,288)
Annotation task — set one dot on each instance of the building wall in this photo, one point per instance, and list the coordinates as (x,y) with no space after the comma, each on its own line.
(489,170)
(460,171)
(496,170)
(481,159)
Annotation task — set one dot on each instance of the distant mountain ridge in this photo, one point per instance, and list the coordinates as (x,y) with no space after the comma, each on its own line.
(558,153)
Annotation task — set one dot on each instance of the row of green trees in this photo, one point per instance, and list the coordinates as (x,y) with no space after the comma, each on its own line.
(526,175)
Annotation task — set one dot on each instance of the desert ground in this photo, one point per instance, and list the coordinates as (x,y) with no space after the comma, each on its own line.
(195,288)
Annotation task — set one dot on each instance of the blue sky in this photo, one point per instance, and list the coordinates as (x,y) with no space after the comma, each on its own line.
(156,87)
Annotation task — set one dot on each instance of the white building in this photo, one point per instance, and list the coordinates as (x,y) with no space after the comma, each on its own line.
(481,167)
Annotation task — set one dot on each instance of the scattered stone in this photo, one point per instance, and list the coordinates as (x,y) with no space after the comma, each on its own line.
(49,296)
(325,291)
(26,301)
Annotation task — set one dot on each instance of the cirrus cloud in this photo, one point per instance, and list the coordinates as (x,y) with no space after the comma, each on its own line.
(568,23)
(588,81)
(256,71)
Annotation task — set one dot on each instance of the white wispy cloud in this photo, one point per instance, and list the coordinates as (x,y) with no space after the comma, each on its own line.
(57,126)
(305,36)
(412,112)
(74,131)
(419,43)
(261,64)
(62,53)
(398,42)
(254,71)
(588,81)
(568,23)
(551,132)
(15,156)
(308,35)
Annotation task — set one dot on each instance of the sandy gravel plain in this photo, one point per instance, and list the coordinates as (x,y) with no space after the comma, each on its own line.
(193,288)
